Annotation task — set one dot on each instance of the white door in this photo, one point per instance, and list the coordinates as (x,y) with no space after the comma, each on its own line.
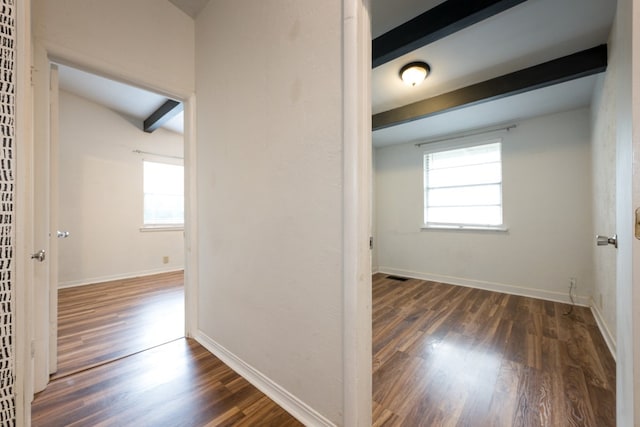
(627,38)
(44,235)
(54,233)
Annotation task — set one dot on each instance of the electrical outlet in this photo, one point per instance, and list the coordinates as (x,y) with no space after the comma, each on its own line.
(165,259)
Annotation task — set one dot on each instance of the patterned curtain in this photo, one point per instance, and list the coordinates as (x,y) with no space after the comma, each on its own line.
(7,164)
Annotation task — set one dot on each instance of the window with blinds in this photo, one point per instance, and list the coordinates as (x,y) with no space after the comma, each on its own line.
(463,187)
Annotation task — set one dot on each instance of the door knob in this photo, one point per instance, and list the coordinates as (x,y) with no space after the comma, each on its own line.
(62,234)
(606,240)
(40,255)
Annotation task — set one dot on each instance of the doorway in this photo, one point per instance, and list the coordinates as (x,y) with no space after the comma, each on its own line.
(118,277)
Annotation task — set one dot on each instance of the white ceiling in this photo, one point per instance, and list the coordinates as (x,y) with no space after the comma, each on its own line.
(131,101)
(530,33)
(190,7)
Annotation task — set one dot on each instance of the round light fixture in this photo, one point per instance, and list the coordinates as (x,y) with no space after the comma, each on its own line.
(414,73)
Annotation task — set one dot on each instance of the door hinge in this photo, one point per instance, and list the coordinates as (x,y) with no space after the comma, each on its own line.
(371,243)
(33,349)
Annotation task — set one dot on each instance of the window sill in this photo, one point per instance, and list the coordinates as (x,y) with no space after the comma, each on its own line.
(147,228)
(490,228)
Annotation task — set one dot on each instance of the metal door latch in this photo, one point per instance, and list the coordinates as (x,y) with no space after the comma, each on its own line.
(606,240)
(40,255)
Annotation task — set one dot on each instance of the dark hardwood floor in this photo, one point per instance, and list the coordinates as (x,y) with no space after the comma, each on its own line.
(106,321)
(123,362)
(178,384)
(442,356)
(454,356)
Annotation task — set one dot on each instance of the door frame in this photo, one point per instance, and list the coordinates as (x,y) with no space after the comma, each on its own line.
(41,363)
(627,200)
(23,308)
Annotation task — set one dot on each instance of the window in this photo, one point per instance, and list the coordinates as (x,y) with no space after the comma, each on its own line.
(463,187)
(163,195)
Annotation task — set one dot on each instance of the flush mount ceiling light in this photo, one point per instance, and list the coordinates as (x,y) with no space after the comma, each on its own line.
(414,73)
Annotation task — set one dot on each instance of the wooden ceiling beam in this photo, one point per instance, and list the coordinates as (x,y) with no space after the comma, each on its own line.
(574,66)
(434,24)
(163,114)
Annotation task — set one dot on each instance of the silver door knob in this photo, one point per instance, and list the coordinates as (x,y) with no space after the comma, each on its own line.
(62,234)
(606,240)
(40,255)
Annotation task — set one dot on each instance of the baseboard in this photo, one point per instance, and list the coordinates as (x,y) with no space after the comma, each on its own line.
(604,330)
(490,286)
(131,275)
(297,408)
(515,290)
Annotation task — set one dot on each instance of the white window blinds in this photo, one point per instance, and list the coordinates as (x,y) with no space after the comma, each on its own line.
(463,186)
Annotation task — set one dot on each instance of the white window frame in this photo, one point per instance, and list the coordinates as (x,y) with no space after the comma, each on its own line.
(450,146)
(160,227)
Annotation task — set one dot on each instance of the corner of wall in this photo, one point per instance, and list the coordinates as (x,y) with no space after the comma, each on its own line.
(297,408)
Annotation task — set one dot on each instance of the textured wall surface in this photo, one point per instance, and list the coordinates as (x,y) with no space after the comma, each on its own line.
(546,192)
(7,124)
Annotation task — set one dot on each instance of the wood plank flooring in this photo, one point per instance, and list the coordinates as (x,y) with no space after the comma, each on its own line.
(166,380)
(179,384)
(106,321)
(443,356)
(453,356)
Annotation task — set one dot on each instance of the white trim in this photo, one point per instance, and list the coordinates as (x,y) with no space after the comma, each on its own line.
(604,329)
(54,213)
(153,228)
(62,55)
(449,146)
(191,218)
(23,308)
(356,214)
(515,290)
(102,279)
(585,301)
(490,286)
(297,408)
(464,227)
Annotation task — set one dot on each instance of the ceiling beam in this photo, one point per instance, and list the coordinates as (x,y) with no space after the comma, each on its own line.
(434,24)
(577,65)
(166,112)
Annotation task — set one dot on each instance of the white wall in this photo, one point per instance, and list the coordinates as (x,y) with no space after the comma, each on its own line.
(546,207)
(147,42)
(101,197)
(374,213)
(270,193)
(603,149)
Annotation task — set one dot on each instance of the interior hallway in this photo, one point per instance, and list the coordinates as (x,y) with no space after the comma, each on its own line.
(123,361)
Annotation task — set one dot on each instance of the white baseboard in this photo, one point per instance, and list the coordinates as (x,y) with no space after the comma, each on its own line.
(131,275)
(491,286)
(604,330)
(297,408)
(582,300)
